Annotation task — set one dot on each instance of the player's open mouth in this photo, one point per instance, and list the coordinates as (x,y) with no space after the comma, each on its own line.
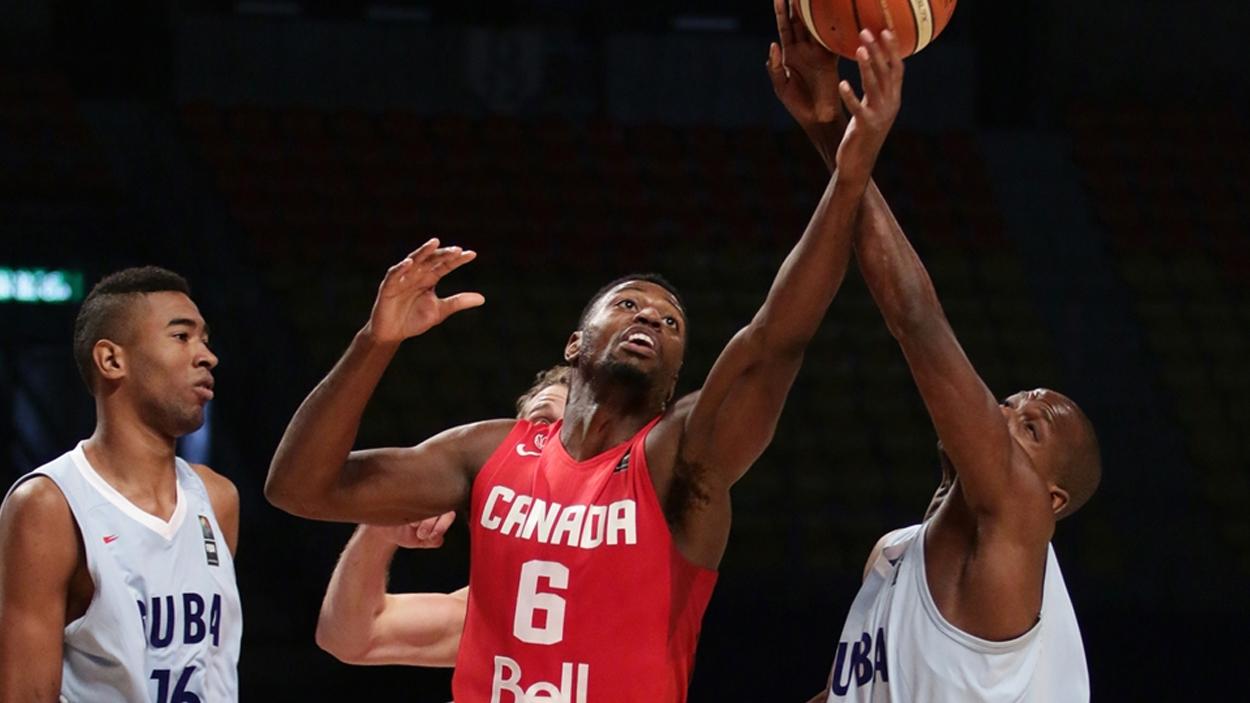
(640,342)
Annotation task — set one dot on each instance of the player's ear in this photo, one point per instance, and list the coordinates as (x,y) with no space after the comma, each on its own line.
(573,347)
(110,360)
(1058,500)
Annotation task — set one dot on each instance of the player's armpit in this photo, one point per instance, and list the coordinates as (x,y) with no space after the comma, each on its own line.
(39,554)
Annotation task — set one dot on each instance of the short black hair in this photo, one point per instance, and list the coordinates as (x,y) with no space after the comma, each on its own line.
(103,313)
(655,278)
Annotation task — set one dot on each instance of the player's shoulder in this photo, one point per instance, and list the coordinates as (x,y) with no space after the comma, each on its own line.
(221,490)
(37,507)
(889,539)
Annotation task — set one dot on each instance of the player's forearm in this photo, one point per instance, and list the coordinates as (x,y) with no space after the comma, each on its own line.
(825,137)
(30,667)
(355,596)
(310,458)
(897,279)
(811,274)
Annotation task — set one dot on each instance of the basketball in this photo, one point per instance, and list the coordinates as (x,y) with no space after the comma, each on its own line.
(836,24)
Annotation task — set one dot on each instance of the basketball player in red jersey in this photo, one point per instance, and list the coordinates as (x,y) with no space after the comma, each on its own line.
(361,623)
(919,629)
(595,540)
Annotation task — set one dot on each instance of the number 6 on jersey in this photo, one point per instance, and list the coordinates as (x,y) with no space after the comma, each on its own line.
(529,600)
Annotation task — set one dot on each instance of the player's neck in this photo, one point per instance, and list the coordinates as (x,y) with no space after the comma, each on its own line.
(600,416)
(133,457)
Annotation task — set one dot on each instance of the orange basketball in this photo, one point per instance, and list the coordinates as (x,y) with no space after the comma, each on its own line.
(836,24)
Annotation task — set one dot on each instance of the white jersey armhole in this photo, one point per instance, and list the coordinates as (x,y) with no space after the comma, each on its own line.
(962,638)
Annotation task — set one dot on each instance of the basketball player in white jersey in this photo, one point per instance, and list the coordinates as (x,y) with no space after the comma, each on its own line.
(116,559)
(969,605)
(360,623)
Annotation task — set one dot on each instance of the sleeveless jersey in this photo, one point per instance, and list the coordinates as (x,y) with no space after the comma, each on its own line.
(164,623)
(896,646)
(578,593)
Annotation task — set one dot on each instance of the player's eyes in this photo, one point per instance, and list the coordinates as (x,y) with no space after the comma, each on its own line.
(627,304)
(671,322)
(182,336)
(1032,430)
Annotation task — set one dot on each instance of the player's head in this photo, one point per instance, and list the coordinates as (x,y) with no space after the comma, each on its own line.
(140,340)
(545,399)
(632,332)
(1061,442)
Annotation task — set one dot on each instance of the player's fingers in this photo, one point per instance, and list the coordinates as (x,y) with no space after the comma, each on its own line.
(880,56)
(776,70)
(853,105)
(460,301)
(443,522)
(456,260)
(427,259)
(867,76)
(784,32)
(798,27)
(895,56)
(429,246)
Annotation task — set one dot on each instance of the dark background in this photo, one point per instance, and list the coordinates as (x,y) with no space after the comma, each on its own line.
(1074,174)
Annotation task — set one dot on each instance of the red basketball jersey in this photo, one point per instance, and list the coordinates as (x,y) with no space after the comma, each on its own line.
(577,593)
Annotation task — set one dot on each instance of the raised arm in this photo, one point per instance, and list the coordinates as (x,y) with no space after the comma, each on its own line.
(315,474)
(969,421)
(39,554)
(736,413)
(360,623)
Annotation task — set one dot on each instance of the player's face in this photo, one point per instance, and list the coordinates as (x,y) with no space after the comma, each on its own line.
(1045,424)
(547,405)
(170,364)
(638,325)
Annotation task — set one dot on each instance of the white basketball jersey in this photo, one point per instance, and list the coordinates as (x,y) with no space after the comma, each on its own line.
(164,624)
(896,646)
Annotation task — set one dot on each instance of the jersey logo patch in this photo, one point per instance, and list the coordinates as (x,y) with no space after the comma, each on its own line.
(623,463)
(109,539)
(539,441)
(210,541)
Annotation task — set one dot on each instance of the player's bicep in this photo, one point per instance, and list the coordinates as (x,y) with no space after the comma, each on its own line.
(735,415)
(38,556)
(965,414)
(418,629)
(399,485)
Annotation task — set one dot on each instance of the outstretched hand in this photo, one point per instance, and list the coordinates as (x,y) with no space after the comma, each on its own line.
(881,72)
(804,73)
(426,534)
(805,78)
(407,305)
